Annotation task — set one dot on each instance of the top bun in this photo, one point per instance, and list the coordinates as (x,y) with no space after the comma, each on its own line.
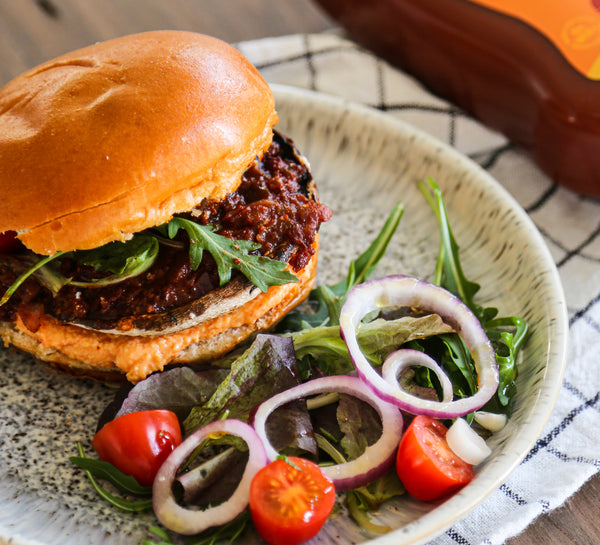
(114,138)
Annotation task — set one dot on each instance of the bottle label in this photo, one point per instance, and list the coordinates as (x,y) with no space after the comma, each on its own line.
(573,26)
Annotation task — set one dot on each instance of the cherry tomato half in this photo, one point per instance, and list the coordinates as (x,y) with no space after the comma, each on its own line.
(290,500)
(426,465)
(9,242)
(138,443)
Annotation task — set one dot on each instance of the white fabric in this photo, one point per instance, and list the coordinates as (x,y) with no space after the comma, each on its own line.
(567,453)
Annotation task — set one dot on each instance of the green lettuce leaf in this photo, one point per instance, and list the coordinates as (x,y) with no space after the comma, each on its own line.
(377,339)
(266,368)
(359,423)
(178,390)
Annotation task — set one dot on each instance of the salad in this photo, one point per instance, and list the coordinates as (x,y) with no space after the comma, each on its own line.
(374,388)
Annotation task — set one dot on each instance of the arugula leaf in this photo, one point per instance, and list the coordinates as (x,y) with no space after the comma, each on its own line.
(122,259)
(125,505)
(448,270)
(459,366)
(507,344)
(106,471)
(161,533)
(361,268)
(231,254)
(24,276)
(133,257)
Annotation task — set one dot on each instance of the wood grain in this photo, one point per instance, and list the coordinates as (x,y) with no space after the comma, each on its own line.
(32,31)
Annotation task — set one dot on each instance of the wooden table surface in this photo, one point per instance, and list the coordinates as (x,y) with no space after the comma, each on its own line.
(32,31)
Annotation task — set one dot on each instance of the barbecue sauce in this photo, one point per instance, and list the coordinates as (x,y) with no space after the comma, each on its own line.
(527,68)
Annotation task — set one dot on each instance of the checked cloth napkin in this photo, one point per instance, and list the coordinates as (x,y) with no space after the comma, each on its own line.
(566,454)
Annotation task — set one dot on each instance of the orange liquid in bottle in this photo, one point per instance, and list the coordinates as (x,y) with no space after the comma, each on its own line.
(527,68)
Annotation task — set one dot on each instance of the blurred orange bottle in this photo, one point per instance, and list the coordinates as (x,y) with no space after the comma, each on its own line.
(528,68)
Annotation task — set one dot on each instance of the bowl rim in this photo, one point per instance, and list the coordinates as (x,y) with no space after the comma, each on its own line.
(431,524)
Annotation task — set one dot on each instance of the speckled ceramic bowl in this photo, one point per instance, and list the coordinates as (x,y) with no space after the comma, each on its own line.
(363,162)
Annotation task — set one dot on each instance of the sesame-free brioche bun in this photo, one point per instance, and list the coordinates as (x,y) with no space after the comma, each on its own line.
(117,137)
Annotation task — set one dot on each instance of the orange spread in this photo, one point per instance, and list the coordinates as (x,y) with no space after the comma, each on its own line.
(138,356)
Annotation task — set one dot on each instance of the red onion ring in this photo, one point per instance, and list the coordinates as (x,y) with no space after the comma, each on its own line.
(188,521)
(401,360)
(374,461)
(404,291)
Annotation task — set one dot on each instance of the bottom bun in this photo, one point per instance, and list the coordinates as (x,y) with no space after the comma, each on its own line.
(82,352)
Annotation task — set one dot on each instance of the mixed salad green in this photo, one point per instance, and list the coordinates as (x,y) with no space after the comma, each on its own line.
(329,429)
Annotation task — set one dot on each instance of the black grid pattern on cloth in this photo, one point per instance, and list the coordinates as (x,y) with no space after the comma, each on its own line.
(585,246)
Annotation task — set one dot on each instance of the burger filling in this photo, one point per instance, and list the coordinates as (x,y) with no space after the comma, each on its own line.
(272,208)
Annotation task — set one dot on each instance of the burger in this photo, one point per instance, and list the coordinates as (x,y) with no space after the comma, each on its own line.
(154,215)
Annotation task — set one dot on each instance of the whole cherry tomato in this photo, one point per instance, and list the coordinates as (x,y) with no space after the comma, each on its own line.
(426,465)
(138,443)
(290,500)
(9,242)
